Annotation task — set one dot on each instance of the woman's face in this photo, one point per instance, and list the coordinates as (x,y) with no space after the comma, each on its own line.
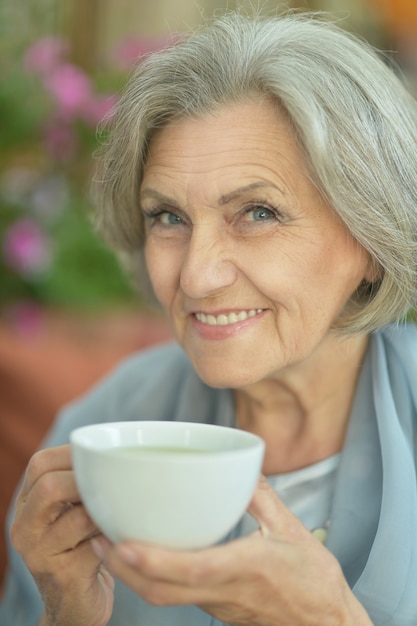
(250,264)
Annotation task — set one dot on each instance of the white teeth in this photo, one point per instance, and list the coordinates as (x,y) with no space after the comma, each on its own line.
(222,320)
(230,318)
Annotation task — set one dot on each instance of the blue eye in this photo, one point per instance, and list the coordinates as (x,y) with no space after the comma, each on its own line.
(169,219)
(162,217)
(260,214)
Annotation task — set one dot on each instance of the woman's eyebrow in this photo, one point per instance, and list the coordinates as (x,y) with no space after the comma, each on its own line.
(228,197)
(148,192)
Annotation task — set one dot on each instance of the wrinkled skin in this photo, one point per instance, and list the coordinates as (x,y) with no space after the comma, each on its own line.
(52,531)
(279,576)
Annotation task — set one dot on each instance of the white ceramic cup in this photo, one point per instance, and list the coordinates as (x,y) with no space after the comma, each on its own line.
(176,499)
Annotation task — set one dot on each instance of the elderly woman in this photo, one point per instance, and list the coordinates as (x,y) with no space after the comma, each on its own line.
(265,171)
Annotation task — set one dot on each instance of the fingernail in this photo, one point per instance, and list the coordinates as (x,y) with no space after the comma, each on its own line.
(100,546)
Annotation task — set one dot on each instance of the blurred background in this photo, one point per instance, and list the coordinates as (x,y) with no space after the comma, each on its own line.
(67,312)
(62,66)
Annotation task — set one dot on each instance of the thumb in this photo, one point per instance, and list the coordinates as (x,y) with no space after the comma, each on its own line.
(273,517)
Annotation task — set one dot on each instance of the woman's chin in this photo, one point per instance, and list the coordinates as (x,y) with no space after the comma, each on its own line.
(220,376)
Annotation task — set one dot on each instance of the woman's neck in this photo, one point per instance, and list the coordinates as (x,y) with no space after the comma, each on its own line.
(303,411)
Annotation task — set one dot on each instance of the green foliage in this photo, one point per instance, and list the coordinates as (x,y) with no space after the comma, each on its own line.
(22,110)
(81,254)
(49,253)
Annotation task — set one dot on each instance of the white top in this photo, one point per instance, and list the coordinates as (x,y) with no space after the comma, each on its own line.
(307,492)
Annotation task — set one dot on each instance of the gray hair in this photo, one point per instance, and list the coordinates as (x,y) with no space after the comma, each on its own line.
(353,118)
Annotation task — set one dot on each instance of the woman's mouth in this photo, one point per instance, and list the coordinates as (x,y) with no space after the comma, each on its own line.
(225,319)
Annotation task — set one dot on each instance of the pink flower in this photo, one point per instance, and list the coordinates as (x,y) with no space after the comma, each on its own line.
(44,55)
(71,88)
(26,248)
(99,108)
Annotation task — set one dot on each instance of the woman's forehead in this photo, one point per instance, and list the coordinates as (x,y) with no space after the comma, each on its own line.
(249,135)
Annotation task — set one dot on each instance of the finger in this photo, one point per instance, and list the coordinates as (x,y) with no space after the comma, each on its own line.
(206,578)
(155,591)
(69,531)
(50,528)
(44,462)
(51,495)
(209,567)
(45,548)
(162,576)
(273,517)
(74,567)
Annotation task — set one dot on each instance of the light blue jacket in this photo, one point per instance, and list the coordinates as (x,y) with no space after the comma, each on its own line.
(373,531)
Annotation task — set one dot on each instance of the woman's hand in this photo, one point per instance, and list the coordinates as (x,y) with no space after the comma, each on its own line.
(279,576)
(53,532)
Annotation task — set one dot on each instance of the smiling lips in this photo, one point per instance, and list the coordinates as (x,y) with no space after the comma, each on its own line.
(224,319)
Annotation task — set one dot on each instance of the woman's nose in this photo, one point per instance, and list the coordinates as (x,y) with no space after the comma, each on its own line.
(208,266)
